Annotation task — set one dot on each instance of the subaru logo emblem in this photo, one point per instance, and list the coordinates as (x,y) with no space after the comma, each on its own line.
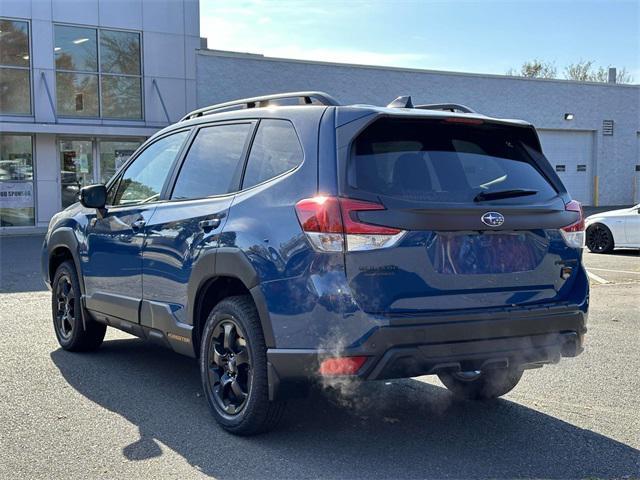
(492,219)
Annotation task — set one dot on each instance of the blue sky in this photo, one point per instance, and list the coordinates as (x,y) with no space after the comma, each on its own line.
(487,36)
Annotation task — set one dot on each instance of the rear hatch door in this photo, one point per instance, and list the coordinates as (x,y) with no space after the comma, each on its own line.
(479,209)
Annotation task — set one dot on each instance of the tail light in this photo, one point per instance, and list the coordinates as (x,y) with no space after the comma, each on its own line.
(341,366)
(574,234)
(331,223)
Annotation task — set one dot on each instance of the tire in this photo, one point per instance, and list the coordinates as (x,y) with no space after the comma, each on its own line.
(599,238)
(481,385)
(233,368)
(66,309)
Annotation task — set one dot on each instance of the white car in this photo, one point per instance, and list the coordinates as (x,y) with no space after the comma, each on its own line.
(614,229)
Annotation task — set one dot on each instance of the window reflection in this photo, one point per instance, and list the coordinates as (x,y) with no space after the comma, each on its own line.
(14,43)
(15,63)
(76,163)
(120,52)
(77,94)
(16,180)
(76,49)
(118,72)
(144,178)
(15,91)
(113,155)
(121,97)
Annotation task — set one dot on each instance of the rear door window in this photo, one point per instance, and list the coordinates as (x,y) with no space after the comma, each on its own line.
(214,162)
(437,161)
(275,150)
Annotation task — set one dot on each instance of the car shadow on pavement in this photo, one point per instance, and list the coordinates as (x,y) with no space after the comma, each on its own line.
(398,429)
(625,252)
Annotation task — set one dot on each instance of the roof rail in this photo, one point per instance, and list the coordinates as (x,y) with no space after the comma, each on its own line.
(451,107)
(306,98)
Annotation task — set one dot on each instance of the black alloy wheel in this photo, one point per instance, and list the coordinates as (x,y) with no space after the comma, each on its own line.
(233,368)
(599,239)
(65,315)
(75,332)
(229,363)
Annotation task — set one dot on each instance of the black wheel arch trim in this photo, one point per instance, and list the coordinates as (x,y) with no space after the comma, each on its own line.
(228,262)
(65,237)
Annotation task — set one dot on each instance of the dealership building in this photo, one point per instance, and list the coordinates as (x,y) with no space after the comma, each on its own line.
(82,86)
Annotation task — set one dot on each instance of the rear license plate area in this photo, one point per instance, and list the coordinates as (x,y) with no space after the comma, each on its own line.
(481,253)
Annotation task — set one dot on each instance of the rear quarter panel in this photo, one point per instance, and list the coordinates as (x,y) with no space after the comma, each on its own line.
(305,291)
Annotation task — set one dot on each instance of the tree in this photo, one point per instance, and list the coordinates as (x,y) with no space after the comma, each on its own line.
(582,71)
(586,71)
(535,69)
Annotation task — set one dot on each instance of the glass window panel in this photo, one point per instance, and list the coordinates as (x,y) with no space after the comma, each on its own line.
(77,94)
(14,43)
(121,97)
(76,164)
(143,180)
(76,48)
(15,91)
(119,52)
(16,161)
(432,161)
(214,161)
(275,150)
(18,217)
(114,154)
(16,194)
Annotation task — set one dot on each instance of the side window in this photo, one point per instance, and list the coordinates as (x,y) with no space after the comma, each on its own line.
(143,180)
(275,150)
(214,162)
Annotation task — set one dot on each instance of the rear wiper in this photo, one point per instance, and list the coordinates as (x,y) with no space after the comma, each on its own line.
(483,196)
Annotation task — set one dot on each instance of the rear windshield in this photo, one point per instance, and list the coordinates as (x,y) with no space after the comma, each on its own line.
(439,161)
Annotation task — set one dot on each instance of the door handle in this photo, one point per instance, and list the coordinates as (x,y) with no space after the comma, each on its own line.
(210,224)
(138,225)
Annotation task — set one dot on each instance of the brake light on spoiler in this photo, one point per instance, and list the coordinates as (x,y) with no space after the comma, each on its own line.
(331,223)
(574,234)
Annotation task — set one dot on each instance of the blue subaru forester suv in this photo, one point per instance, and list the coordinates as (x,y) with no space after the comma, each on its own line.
(287,238)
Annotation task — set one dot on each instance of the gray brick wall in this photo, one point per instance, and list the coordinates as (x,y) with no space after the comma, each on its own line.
(222,77)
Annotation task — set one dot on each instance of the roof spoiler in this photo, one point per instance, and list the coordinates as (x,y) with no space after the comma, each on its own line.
(404,101)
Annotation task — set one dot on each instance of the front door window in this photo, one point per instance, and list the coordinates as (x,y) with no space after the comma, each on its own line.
(114,154)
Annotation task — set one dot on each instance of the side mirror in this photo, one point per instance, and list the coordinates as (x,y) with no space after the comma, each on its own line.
(94,196)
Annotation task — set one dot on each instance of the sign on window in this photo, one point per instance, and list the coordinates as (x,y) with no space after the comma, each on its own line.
(16,194)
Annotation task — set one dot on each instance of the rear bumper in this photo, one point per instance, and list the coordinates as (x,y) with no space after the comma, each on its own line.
(525,339)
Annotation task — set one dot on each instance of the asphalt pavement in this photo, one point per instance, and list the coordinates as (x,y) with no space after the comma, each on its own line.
(132,409)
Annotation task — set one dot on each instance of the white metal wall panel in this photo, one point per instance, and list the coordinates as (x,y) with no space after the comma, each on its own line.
(571,155)
(636,189)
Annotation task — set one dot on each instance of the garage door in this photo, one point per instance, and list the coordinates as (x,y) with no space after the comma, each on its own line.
(571,154)
(636,191)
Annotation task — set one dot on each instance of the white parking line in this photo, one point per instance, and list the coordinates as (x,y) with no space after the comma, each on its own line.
(596,278)
(614,271)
